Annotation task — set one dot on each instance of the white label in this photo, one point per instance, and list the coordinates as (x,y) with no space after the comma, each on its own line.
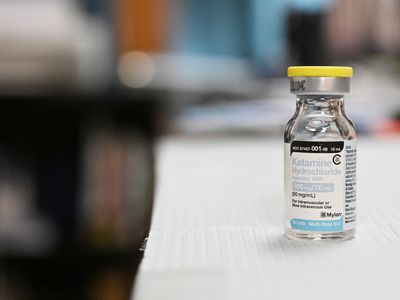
(320,185)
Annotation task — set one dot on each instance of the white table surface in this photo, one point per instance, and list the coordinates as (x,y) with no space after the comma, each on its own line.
(217,228)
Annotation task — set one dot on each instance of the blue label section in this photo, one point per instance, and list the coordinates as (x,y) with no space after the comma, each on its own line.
(317,225)
(313,187)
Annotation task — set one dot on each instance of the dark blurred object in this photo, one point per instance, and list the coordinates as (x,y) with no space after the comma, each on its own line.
(88,165)
(306,38)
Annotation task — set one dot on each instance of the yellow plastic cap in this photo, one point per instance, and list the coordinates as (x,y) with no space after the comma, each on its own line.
(320,71)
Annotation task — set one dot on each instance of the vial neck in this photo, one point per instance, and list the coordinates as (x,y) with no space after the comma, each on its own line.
(320,104)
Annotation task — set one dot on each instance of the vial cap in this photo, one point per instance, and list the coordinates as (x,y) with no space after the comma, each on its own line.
(320,71)
(320,80)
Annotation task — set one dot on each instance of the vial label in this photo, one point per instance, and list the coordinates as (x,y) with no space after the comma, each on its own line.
(320,185)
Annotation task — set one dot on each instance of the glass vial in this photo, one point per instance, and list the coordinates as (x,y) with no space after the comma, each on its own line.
(320,157)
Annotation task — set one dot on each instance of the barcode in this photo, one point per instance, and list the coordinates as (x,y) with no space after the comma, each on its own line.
(323,214)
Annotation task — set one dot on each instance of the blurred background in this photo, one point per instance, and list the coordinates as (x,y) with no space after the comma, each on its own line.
(88,87)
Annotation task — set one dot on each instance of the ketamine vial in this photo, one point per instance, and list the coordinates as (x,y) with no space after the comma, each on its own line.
(320,157)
